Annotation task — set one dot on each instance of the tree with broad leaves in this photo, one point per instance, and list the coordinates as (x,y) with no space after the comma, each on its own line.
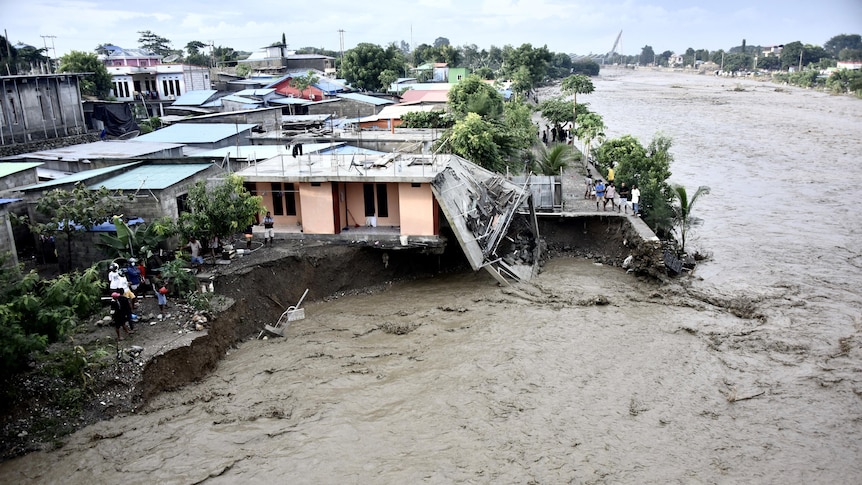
(303,82)
(574,85)
(96,84)
(155,43)
(71,212)
(590,127)
(364,63)
(219,210)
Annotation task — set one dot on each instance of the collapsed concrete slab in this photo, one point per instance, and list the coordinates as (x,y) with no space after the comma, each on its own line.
(481,207)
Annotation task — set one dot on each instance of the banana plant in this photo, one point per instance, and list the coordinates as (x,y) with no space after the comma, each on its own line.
(138,241)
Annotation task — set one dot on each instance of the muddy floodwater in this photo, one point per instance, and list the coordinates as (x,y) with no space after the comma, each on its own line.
(748,372)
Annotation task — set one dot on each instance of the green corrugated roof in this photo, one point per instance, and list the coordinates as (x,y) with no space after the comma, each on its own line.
(9,168)
(79,177)
(152,177)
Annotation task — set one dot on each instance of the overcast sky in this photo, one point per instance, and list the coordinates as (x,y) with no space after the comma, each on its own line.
(570,26)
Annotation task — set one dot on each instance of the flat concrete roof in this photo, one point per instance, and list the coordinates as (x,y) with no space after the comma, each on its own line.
(99,149)
(389,167)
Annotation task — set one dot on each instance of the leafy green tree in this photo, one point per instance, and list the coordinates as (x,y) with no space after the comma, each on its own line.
(850,55)
(364,63)
(441,41)
(843,41)
(195,56)
(649,168)
(72,212)
(30,58)
(36,312)
(518,124)
(561,66)
(8,58)
(427,119)
(473,95)
(303,82)
(737,62)
(536,61)
(790,55)
(574,85)
(590,127)
(97,84)
(769,63)
(473,138)
(243,70)
(387,77)
(155,43)
(484,73)
(683,220)
(225,56)
(558,110)
(664,58)
(219,210)
(647,55)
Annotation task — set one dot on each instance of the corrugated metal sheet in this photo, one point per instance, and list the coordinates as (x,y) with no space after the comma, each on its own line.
(195,132)
(255,92)
(194,98)
(152,177)
(240,99)
(79,177)
(9,168)
(364,98)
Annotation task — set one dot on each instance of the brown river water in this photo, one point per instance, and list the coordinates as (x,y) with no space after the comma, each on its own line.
(535,383)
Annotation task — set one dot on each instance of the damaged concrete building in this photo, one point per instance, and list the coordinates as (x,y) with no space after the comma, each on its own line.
(395,201)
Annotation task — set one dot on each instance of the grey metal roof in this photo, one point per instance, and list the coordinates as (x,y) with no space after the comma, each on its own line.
(78,177)
(195,132)
(364,98)
(194,98)
(99,149)
(239,99)
(9,168)
(289,101)
(152,177)
(255,92)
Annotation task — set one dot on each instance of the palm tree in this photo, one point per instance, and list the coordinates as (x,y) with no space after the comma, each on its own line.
(682,212)
(553,160)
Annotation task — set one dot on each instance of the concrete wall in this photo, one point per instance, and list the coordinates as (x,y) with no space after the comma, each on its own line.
(268,118)
(19,179)
(39,108)
(7,239)
(344,108)
(417,209)
(317,212)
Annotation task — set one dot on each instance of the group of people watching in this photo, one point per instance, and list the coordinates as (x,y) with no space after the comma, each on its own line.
(123,283)
(619,197)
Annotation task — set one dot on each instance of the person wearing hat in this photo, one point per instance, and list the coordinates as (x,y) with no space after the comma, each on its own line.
(121,314)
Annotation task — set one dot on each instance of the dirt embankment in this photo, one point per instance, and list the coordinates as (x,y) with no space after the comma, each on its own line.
(261,289)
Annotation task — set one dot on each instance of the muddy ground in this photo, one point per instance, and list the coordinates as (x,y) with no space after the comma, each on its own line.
(254,290)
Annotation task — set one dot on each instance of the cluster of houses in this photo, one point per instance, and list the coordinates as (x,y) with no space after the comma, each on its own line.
(328,163)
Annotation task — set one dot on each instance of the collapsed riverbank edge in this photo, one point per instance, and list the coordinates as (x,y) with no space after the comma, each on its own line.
(331,271)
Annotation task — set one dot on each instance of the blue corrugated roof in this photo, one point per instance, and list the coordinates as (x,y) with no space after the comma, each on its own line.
(240,99)
(194,98)
(195,132)
(8,201)
(152,177)
(364,98)
(79,177)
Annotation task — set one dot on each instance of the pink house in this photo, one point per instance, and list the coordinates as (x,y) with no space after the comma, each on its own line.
(140,74)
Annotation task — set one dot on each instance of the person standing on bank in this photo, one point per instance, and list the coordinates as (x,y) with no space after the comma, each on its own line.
(195,247)
(636,197)
(610,194)
(600,192)
(121,314)
(625,193)
(268,228)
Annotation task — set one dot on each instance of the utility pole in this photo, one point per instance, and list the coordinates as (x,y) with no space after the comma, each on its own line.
(800,59)
(45,43)
(341,44)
